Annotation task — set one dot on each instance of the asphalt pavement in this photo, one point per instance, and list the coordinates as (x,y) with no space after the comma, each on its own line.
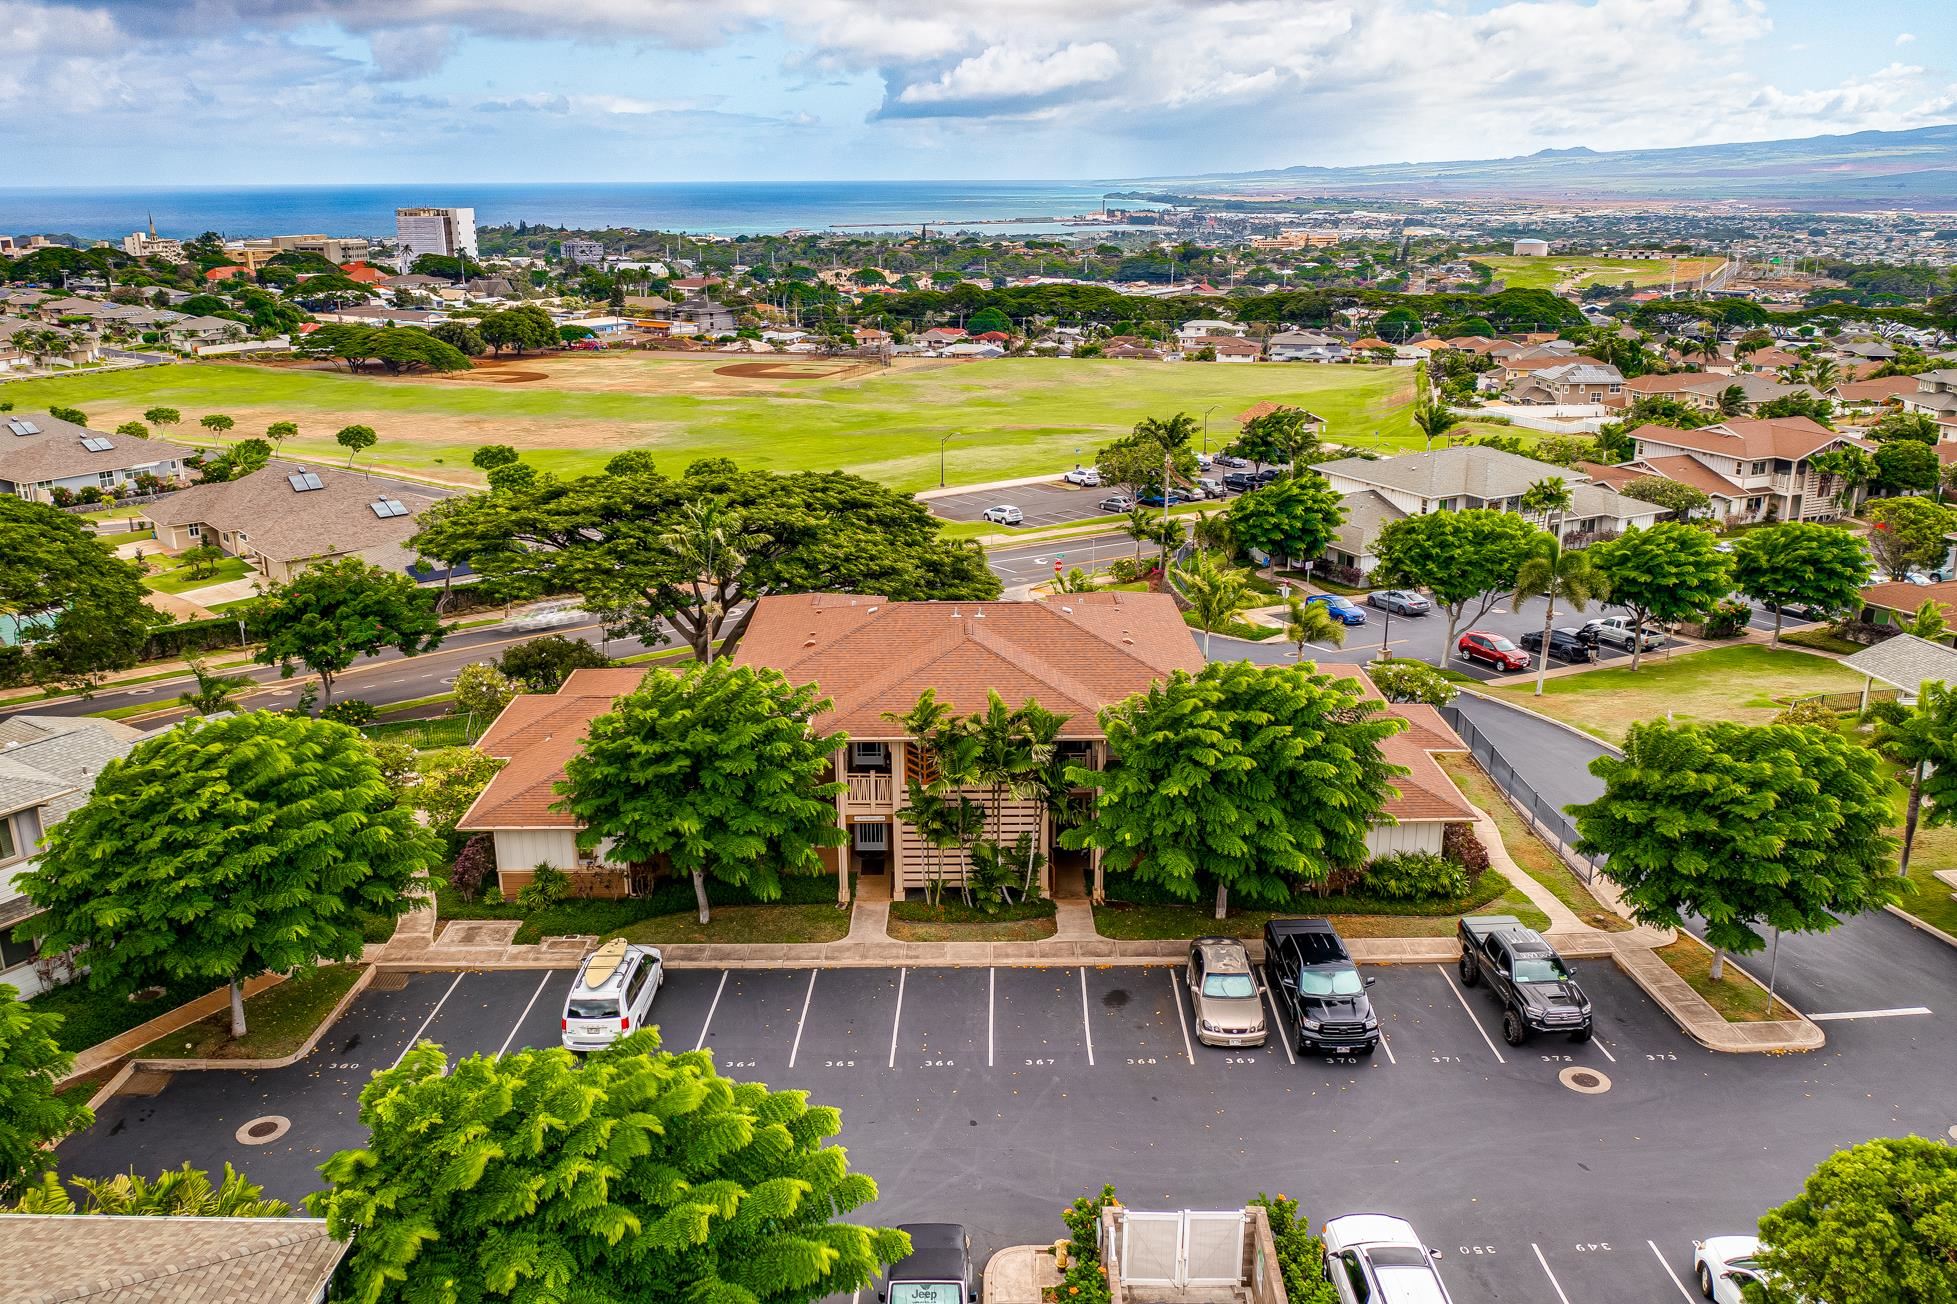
(993,1096)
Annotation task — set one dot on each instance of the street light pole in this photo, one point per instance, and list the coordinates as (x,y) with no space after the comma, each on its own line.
(1206,426)
(941,457)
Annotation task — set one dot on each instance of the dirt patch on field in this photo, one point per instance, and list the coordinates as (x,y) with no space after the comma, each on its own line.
(783,370)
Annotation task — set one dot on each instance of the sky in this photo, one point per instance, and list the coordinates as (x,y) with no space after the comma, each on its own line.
(200,92)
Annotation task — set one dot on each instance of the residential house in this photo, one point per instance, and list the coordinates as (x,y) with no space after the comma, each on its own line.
(1872,395)
(192,331)
(1763,467)
(1893,603)
(939,337)
(40,453)
(1206,326)
(1589,383)
(1865,351)
(1935,396)
(1228,348)
(48,767)
(1728,501)
(1367,512)
(365,314)
(55,1258)
(1705,390)
(872,658)
(1474,476)
(706,316)
(286,516)
(1514,364)
(80,347)
(1306,346)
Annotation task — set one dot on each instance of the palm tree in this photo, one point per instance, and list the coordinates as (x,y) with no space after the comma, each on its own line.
(1732,401)
(1822,375)
(1546,496)
(1553,571)
(1141,527)
(181,1192)
(1434,419)
(1309,622)
(1704,346)
(1212,532)
(1923,741)
(214,692)
(1169,535)
(711,544)
(1170,432)
(1216,593)
(1007,755)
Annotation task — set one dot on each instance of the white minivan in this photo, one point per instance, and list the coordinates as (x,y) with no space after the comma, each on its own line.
(612,996)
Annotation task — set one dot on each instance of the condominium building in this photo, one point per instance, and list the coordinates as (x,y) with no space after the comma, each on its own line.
(443,231)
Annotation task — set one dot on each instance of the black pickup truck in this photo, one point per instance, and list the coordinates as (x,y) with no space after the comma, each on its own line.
(1536,988)
(1313,975)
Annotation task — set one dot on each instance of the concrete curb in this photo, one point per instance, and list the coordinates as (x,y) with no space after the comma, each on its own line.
(1922,925)
(283,1061)
(105,1053)
(1705,1025)
(1591,738)
(1018,1274)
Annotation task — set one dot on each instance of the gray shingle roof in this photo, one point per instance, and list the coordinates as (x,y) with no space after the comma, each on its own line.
(1470,470)
(52,760)
(1366,514)
(1906,662)
(108,1259)
(57,453)
(334,519)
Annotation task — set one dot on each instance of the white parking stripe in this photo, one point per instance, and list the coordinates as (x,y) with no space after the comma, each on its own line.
(1175,994)
(807,996)
(1385,1047)
(991,989)
(1547,1273)
(1086,1022)
(430,1019)
(1471,1014)
(710,1009)
(897,1020)
(518,1025)
(1873,1014)
(1668,1270)
(1277,1020)
(1605,1049)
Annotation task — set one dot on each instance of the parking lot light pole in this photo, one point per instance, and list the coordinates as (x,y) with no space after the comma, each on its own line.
(941,457)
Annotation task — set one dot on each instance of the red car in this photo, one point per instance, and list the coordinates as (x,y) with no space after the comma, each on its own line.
(1491,649)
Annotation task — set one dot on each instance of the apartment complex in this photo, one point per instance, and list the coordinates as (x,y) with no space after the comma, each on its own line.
(444,231)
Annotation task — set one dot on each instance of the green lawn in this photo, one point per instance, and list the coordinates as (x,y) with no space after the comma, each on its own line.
(1546,273)
(1007,417)
(168,575)
(442,731)
(113,514)
(1737,997)
(277,1020)
(1748,683)
(1536,858)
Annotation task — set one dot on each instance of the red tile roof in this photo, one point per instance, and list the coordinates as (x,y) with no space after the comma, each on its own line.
(537,733)
(1789,437)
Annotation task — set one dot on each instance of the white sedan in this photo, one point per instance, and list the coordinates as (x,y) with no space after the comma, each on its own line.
(1084,476)
(1724,1264)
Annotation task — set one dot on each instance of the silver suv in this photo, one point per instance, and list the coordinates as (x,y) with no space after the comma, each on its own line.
(612,996)
(1223,991)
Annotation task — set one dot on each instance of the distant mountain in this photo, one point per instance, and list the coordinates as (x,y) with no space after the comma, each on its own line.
(1869,169)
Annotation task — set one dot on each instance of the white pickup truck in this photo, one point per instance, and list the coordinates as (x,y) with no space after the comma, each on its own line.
(1622,631)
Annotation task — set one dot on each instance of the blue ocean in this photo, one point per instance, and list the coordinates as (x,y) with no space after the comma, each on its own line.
(722,208)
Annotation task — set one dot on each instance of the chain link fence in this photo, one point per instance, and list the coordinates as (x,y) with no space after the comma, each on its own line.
(1550,822)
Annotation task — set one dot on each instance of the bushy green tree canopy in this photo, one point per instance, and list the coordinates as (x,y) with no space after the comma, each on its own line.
(80,609)
(715,770)
(1796,563)
(632,1175)
(1668,573)
(1293,518)
(222,849)
(1467,560)
(1874,1224)
(656,553)
(1745,826)
(30,1112)
(329,615)
(1257,778)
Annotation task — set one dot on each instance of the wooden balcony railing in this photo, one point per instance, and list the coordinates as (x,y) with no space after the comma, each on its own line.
(869,790)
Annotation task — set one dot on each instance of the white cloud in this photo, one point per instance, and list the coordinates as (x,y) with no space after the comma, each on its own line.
(1002,75)
(1904,38)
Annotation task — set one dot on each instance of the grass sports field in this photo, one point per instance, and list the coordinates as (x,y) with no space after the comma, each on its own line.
(1007,417)
(1548,273)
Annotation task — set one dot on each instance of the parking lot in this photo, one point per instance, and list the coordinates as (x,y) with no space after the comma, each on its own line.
(992,1096)
(1042,504)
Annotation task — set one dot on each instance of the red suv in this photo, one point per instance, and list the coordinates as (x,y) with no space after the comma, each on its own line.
(1493,649)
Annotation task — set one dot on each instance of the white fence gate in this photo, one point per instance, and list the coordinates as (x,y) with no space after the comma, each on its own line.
(1191,1248)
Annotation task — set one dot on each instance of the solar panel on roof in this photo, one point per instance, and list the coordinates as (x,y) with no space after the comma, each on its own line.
(387,507)
(97,444)
(301,481)
(22,426)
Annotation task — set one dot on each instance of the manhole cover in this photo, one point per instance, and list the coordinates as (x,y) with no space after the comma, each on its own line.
(1589,1082)
(264,1131)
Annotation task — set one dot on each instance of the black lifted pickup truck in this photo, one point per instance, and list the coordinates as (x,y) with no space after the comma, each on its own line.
(1313,974)
(1536,988)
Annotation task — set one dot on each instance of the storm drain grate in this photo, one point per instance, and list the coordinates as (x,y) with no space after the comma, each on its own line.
(389,980)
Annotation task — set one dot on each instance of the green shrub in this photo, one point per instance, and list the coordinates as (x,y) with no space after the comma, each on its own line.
(1083,1219)
(1885,711)
(547,887)
(1126,570)
(474,864)
(351,711)
(1727,618)
(1414,876)
(1300,1255)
